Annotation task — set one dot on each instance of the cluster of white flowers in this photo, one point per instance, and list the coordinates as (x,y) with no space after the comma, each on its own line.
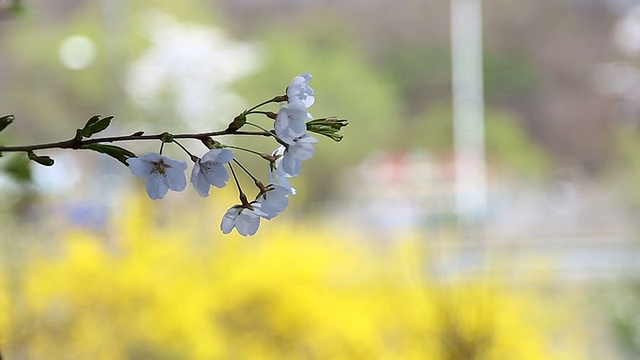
(290,126)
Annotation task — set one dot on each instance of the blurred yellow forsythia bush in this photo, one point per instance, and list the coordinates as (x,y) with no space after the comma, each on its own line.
(170,294)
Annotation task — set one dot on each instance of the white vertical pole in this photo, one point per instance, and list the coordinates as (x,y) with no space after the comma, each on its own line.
(468,109)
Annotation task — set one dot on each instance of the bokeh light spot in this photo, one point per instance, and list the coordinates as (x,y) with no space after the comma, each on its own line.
(77,52)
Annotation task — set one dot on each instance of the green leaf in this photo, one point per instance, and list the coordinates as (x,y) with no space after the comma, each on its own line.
(100,125)
(40,159)
(5,121)
(116,152)
(91,121)
(93,126)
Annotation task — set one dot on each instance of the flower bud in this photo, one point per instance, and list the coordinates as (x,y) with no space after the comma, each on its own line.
(42,160)
(237,123)
(328,127)
(166,137)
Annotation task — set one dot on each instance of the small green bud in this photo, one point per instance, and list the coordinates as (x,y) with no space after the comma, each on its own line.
(212,144)
(166,137)
(328,127)
(42,160)
(237,122)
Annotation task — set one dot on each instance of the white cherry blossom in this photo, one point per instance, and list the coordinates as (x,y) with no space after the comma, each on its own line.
(274,201)
(160,172)
(291,122)
(246,221)
(278,176)
(210,170)
(276,173)
(300,150)
(299,90)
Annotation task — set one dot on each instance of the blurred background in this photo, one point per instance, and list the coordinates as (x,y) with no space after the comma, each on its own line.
(483,204)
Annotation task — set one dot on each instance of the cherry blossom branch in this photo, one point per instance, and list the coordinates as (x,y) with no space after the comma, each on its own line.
(161,173)
(77,144)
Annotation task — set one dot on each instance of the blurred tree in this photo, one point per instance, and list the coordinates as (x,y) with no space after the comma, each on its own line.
(509,148)
(539,58)
(11,9)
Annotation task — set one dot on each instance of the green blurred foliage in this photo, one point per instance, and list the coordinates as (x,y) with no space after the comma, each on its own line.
(506,74)
(51,100)
(44,93)
(422,74)
(16,166)
(625,167)
(624,316)
(419,74)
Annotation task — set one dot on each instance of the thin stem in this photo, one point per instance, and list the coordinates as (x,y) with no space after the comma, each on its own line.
(244,149)
(259,127)
(233,172)
(271,134)
(268,114)
(242,196)
(275,99)
(191,156)
(246,171)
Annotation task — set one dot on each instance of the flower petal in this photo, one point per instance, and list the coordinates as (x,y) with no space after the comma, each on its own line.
(195,172)
(216,174)
(156,187)
(199,181)
(247,223)
(140,167)
(300,91)
(290,165)
(229,219)
(175,178)
(290,122)
(302,147)
(273,202)
(173,164)
(211,155)
(224,156)
(151,157)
